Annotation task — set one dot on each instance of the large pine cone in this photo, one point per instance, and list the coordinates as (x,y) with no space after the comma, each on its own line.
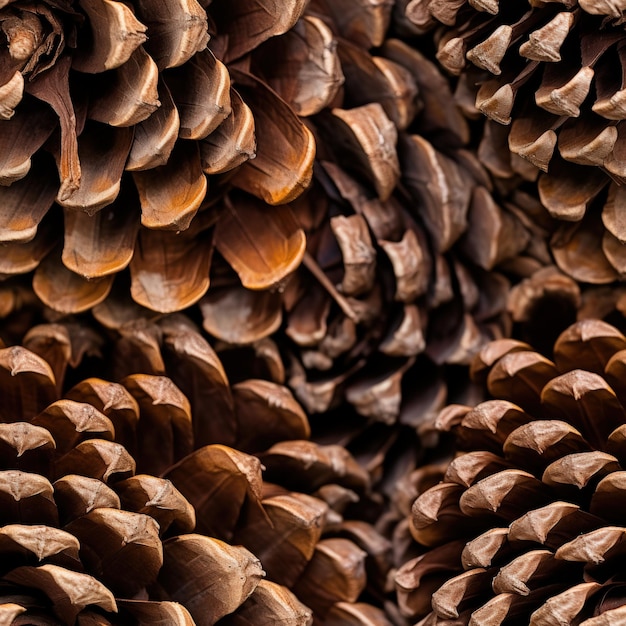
(411,252)
(527,524)
(551,73)
(113,116)
(294,522)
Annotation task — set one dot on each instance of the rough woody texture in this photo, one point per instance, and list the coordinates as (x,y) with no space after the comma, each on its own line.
(527,522)
(115,116)
(549,78)
(172,493)
(344,235)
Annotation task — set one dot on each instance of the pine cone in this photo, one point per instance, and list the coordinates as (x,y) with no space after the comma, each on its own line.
(408,240)
(295,519)
(81,530)
(118,112)
(526,524)
(547,72)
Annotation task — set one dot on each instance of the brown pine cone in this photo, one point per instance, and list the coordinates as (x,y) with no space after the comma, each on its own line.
(295,519)
(526,525)
(411,251)
(114,117)
(83,536)
(408,237)
(551,73)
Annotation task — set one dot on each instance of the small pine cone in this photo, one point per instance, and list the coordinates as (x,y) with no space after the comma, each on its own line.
(113,118)
(527,523)
(551,74)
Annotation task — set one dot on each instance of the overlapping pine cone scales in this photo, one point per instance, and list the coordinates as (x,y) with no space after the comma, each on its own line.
(527,523)
(411,251)
(377,107)
(115,116)
(548,76)
(130,509)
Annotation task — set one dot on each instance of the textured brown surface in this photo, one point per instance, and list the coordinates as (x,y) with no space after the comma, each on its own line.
(526,525)
(549,78)
(139,473)
(121,114)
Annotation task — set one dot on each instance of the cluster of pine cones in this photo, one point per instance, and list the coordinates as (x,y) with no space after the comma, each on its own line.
(312,312)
